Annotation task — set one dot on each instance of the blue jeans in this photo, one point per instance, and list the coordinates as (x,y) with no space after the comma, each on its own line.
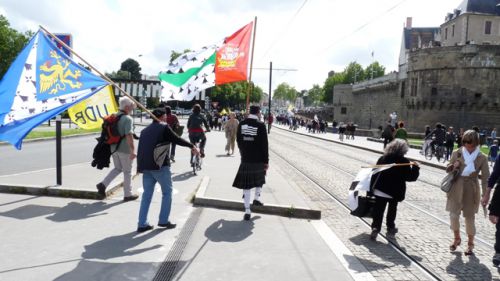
(149,179)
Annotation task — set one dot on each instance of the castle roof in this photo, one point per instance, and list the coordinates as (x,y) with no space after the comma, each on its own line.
(480,7)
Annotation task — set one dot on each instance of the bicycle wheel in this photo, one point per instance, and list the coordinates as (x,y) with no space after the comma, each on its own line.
(428,153)
(440,152)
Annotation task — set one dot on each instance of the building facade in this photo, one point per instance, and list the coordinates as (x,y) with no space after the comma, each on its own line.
(449,74)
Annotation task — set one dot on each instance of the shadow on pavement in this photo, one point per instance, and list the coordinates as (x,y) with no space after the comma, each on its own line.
(378,249)
(230,231)
(119,246)
(79,211)
(29,212)
(473,269)
(93,270)
(184,176)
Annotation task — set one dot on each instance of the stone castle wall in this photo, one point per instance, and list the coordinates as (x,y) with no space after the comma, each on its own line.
(458,86)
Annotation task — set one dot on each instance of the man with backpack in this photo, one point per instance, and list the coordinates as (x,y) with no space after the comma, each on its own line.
(123,152)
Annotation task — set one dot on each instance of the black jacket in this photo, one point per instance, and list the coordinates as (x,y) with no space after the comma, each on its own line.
(152,135)
(393,180)
(252,141)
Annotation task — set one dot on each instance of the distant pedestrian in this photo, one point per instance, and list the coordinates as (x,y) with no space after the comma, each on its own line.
(270,120)
(157,170)
(493,153)
(389,186)
(231,128)
(465,194)
(342,130)
(449,142)
(124,153)
(174,124)
(401,132)
(493,136)
(253,144)
(388,134)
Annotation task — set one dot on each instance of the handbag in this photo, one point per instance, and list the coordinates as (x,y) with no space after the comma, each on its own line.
(178,130)
(448,181)
(365,207)
(160,152)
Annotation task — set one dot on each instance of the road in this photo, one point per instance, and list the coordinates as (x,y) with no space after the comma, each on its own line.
(423,223)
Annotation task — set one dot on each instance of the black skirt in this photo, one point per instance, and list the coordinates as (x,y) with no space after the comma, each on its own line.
(250,175)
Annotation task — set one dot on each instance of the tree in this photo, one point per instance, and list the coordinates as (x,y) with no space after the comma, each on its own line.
(330,82)
(11,43)
(234,95)
(132,66)
(353,73)
(374,70)
(314,96)
(285,92)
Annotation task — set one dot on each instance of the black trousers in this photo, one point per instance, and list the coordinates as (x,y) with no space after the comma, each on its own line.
(378,212)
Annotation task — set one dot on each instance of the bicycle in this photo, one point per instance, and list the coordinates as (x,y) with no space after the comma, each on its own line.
(435,150)
(196,161)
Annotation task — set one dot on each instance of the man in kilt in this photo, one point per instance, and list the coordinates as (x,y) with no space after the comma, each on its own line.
(252,142)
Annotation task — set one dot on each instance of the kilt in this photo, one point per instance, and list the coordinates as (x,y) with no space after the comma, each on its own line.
(250,175)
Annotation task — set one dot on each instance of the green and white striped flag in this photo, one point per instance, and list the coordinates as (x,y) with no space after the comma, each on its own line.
(189,74)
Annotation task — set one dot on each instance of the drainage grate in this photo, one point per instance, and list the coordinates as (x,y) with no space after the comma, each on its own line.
(170,266)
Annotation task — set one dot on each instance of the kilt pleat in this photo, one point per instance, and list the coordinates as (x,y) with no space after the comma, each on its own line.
(250,175)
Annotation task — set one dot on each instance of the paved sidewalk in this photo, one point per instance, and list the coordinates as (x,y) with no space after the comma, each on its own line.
(50,238)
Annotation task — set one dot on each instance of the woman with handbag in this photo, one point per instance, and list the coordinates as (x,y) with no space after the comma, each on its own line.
(389,186)
(465,194)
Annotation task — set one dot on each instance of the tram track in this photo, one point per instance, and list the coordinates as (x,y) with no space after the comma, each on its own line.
(340,198)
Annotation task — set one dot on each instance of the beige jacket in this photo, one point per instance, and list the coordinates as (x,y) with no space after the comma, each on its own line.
(465,194)
(231,128)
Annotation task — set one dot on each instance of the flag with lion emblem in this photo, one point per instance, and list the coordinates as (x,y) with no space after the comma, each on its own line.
(41,83)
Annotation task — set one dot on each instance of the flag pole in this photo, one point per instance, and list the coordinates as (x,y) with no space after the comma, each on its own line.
(102,75)
(391,165)
(251,65)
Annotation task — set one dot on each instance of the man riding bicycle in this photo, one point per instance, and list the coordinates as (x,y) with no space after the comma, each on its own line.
(195,129)
(437,136)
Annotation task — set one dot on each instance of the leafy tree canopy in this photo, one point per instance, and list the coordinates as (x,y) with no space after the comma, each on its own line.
(353,73)
(11,43)
(374,70)
(285,92)
(234,95)
(132,66)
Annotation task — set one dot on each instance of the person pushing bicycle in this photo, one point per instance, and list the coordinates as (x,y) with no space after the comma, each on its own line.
(439,137)
(196,133)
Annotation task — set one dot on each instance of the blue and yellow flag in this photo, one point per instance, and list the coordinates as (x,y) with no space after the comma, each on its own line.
(89,113)
(41,83)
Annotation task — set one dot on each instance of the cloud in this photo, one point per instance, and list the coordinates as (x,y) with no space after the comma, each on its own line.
(325,35)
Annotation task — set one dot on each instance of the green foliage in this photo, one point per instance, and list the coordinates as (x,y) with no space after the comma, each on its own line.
(11,43)
(120,74)
(285,92)
(234,95)
(314,95)
(330,82)
(131,66)
(353,73)
(374,70)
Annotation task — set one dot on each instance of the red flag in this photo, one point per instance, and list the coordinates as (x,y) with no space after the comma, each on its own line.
(232,57)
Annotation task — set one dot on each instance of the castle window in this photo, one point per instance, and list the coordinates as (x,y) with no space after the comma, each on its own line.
(343,110)
(434,91)
(453,31)
(478,95)
(446,33)
(487,27)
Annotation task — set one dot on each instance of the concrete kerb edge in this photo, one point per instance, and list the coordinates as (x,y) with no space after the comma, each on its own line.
(57,191)
(285,211)
(51,138)
(367,149)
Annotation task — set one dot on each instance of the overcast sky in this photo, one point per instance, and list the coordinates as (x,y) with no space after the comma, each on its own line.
(311,36)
